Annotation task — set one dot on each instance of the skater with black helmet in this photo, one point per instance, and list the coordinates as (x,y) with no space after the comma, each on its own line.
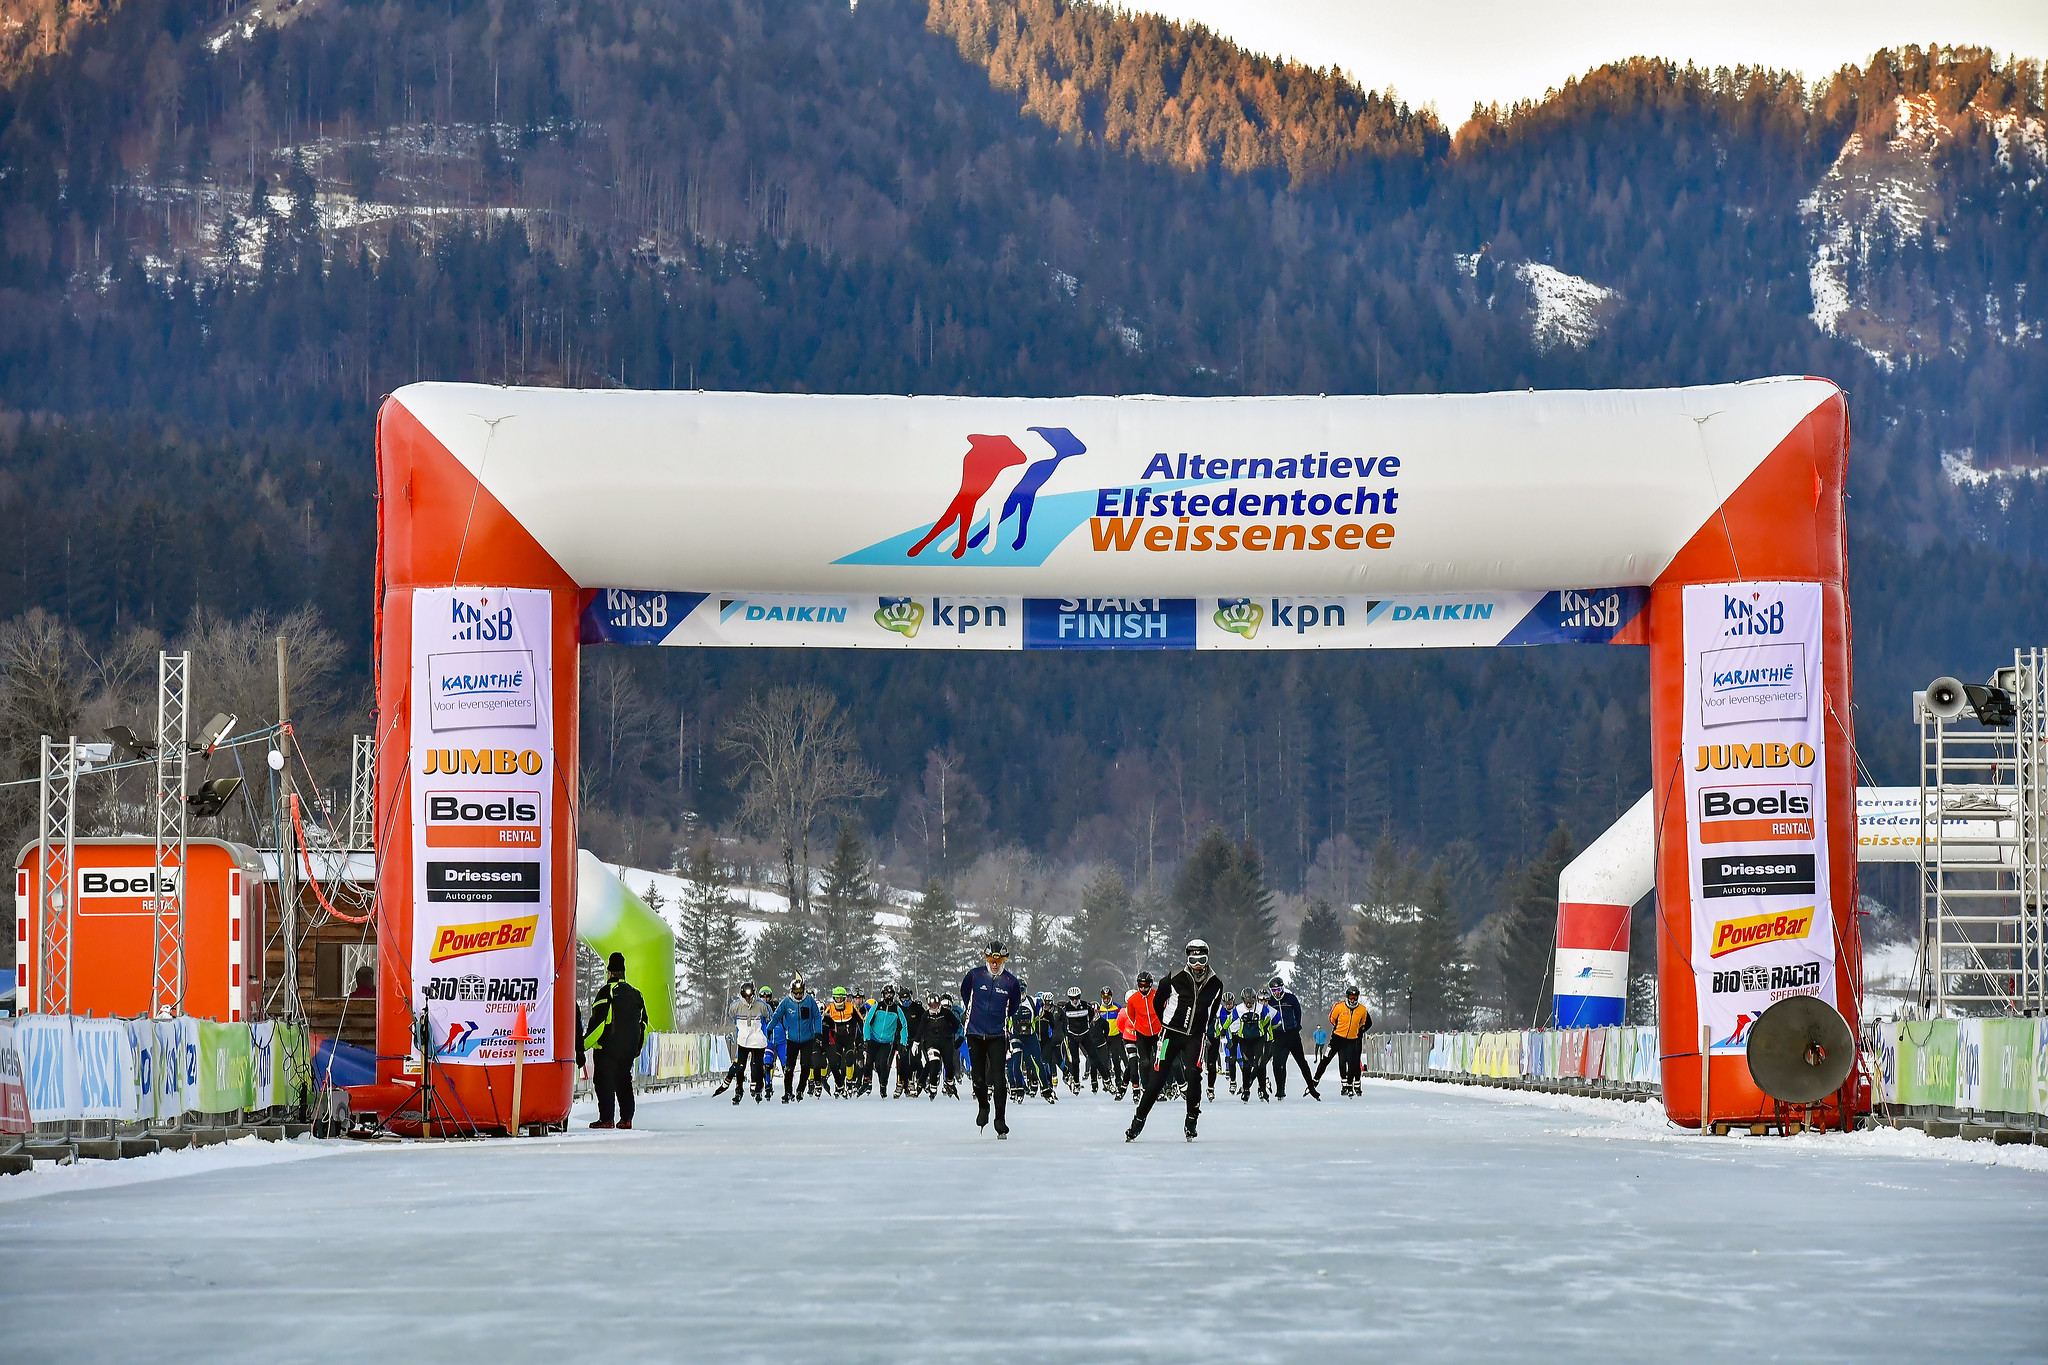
(990,995)
(801,1021)
(1185,1005)
(1140,1022)
(1287,1040)
(887,1032)
(1349,1019)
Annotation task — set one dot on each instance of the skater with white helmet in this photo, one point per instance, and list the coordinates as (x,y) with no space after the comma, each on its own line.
(1185,1004)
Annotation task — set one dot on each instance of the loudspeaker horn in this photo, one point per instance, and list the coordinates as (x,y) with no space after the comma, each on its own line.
(1800,1050)
(1946,698)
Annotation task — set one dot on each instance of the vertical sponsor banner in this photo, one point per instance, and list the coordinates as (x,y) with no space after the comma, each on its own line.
(49,1066)
(13,1083)
(106,1069)
(263,1075)
(1756,802)
(482,818)
(224,1080)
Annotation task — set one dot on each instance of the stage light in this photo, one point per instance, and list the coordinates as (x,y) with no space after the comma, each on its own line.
(126,745)
(212,797)
(213,732)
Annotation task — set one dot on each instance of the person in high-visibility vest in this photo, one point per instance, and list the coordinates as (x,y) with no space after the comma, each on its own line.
(618,1026)
(1106,1015)
(1349,1019)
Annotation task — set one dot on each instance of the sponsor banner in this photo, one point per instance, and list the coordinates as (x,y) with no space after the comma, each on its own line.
(1592,971)
(14,1117)
(483,812)
(106,1069)
(49,1066)
(124,890)
(1890,826)
(1434,620)
(263,1063)
(1756,800)
(2005,1083)
(225,1082)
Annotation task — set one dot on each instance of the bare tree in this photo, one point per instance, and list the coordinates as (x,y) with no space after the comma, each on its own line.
(798,761)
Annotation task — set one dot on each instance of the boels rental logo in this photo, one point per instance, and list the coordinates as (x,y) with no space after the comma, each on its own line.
(1179,502)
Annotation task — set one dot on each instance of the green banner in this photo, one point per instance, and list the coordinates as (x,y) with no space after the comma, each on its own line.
(2007,1086)
(1927,1062)
(225,1079)
(291,1068)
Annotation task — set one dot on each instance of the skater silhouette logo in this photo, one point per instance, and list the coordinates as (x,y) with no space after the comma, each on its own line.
(988,457)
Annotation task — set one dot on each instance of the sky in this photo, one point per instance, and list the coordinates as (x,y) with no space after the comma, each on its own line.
(1453,53)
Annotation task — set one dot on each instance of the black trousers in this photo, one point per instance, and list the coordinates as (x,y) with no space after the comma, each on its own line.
(798,1061)
(1346,1051)
(880,1055)
(1212,1056)
(1287,1043)
(1178,1047)
(1251,1067)
(612,1075)
(987,1060)
(1141,1053)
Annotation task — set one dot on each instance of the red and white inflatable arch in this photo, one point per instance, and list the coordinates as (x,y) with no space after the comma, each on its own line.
(516,524)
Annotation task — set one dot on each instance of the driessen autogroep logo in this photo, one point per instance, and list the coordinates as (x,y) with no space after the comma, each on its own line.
(1763,874)
(505,883)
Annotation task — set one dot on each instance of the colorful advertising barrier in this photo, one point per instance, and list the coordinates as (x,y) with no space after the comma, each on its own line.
(1988,1066)
(65,1067)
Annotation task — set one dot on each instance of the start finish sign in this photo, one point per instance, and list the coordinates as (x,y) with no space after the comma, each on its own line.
(483,806)
(1754,783)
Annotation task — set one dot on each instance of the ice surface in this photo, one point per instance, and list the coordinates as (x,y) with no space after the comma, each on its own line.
(1420,1222)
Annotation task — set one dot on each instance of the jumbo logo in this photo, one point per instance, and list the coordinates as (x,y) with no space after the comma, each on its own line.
(503,762)
(1761,755)
(1731,815)
(1733,935)
(489,936)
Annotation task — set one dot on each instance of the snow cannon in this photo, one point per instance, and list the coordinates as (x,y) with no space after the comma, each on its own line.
(611,919)
(1595,893)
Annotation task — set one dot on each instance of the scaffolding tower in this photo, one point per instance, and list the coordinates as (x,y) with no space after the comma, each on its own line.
(362,794)
(167,885)
(56,854)
(1984,823)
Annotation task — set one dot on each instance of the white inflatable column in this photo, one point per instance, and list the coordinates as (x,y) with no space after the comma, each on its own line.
(1595,892)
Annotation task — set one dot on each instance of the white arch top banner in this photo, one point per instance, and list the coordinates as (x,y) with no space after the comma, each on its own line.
(779,501)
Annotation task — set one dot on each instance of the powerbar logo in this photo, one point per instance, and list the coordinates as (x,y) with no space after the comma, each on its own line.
(490,936)
(1733,935)
(1793,976)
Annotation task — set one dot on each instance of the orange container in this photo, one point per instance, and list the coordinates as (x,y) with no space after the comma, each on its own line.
(115,914)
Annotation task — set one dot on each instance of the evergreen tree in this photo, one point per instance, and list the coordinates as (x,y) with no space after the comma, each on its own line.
(1439,978)
(933,946)
(1319,961)
(1222,897)
(847,951)
(1529,938)
(1385,924)
(785,949)
(1106,939)
(710,948)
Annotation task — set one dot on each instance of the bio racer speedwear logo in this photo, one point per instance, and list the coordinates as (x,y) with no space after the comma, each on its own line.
(1733,935)
(486,936)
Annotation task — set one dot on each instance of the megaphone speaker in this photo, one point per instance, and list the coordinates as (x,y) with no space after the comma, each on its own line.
(1946,698)
(1800,1050)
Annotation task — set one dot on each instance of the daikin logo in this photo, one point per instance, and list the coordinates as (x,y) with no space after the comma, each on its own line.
(809,613)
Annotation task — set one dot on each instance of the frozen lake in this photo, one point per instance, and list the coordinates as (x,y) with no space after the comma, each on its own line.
(1420,1222)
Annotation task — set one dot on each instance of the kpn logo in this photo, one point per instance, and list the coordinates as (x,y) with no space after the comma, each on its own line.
(900,614)
(1240,616)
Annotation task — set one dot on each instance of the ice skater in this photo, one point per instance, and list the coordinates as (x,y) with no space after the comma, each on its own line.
(800,1021)
(990,996)
(887,1033)
(1349,1020)
(1185,1004)
(1286,1040)
(986,457)
(1140,1023)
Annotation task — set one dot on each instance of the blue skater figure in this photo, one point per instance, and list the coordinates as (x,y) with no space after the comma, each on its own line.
(1025,495)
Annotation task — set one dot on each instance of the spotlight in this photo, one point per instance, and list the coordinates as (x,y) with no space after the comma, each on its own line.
(212,797)
(126,746)
(213,732)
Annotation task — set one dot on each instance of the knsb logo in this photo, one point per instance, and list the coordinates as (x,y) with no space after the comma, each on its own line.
(488,936)
(1239,616)
(1752,931)
(1754,617)
(900,614)
(478,620)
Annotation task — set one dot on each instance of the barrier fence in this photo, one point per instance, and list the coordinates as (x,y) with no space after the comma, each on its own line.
(1969,1066)
(683,1056)
(1620,1058)
(56,1068)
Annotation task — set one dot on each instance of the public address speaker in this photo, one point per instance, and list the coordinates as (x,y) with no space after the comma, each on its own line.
(1800,1050)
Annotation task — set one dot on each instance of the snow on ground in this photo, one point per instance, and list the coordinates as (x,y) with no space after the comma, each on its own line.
(1420,1222)
(242,1154)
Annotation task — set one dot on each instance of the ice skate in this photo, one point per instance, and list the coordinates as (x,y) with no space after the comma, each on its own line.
(1189,1127)
(1137,1127)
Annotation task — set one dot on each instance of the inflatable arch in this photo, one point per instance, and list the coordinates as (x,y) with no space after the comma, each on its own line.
(516,524)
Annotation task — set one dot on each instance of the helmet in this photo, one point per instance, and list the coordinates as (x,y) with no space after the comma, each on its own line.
(1144,978)
(1073,992)
(1276,985)
(1044,996)
(1351,993)
(796,983)
(1198,952)
(746,988)
(995,948)
(839,992)
(1249,996)
(888,992)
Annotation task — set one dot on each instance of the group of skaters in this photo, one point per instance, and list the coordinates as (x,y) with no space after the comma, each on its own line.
(1172,1037)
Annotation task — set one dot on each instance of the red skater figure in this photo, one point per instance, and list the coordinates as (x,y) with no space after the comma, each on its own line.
(986,457)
